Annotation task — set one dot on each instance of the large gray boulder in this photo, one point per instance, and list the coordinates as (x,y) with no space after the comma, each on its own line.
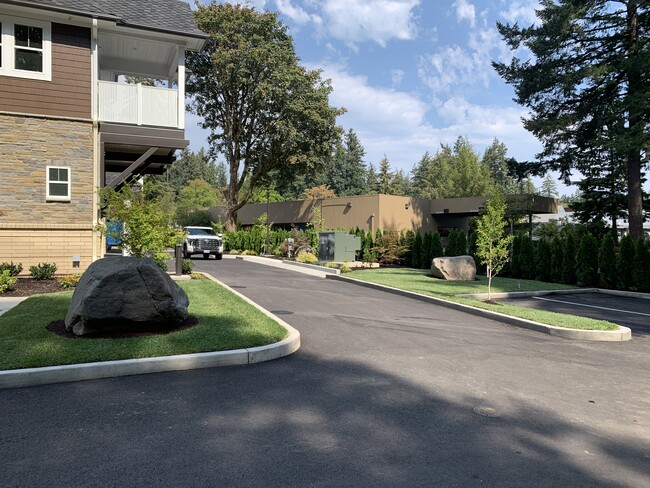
(125,294)
(456,268)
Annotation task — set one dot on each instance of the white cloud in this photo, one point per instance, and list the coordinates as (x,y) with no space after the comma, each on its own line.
(520,11)
(296,14)
(396,76)
(452,68)
(465,11)
(380,21)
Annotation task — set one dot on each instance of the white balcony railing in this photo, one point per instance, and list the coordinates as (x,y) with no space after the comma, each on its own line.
(137,104)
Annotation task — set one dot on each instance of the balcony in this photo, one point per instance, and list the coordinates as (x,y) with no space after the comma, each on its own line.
(139,105)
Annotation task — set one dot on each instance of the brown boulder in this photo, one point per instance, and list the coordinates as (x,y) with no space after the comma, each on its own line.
(456,268)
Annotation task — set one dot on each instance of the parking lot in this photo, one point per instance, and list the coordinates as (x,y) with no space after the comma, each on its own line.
(627,311)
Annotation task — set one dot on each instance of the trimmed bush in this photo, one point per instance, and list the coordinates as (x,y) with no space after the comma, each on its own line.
(641,273)
(306,257)
(569,260)
(587,261)
(515,266)
(426,256)
(456,243)
(543,260)
(436,246)
(527,258)
(409,238)
(14,269)
(43,271)
(187,266)
(625,263)
(607,261)
(416,251)
(556,259)
(7,281)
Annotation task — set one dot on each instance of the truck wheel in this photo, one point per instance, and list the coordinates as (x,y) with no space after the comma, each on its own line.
(218,256)
(186,255)
(206,256)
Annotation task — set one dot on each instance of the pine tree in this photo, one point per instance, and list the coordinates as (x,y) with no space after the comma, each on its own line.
(436,246)
(549,187)
(556,259)
(527,253)
(416,251)
(426,250)
(607,261)
(641,273)
(543,260)
(625,263)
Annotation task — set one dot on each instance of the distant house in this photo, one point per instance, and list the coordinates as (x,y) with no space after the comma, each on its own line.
(69,123)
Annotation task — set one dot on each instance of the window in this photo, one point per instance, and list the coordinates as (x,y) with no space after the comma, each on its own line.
(58,184)
(25,48)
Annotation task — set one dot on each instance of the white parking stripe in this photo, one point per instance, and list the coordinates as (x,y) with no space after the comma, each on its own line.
(592,306)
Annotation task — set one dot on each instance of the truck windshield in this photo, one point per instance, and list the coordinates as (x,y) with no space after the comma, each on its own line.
(200,232)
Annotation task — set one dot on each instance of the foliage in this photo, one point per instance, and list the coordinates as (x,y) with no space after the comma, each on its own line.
(569,260)
(345,269)
(587,261)
(346,172)
(496,161)
(187,266)
(515,265)
(306,257)
(145,229)
(549,187)
(546,230)
(249,252)
(586,87)
(607,261)
(543,260)
(425,255)
(43,271)
(641,273)
(492,243)
(7,281)
(389,247)
(13,269)
(436,246)
(192,166)
(416,251)
(556,259)
(625,263)
(317,193)
(68,281)
(268,116)
(527,258)
(193,201)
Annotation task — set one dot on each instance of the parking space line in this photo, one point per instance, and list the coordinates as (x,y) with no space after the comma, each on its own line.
(592,306)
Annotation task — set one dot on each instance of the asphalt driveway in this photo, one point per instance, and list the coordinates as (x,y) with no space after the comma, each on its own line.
(385,391)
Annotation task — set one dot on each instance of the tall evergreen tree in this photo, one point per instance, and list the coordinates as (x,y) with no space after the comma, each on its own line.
(556,259)
(586,85)
(549,187)
(527,256)
(496,161)
(543,260)
(346,171)
(416,251)
(607,261)
(426,256)
(569,260)
(436,246)
(625,263)
(587,261)
(641,272)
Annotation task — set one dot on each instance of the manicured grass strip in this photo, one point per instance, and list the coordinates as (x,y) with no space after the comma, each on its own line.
(421,281)
(226,322)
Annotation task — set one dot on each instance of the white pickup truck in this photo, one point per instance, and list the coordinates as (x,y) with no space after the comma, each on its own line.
(202,240)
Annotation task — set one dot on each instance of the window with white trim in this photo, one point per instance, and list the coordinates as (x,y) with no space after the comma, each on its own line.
(58,183)
(25,48)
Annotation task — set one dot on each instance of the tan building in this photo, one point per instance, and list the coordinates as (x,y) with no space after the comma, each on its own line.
(68,119)
(372,212)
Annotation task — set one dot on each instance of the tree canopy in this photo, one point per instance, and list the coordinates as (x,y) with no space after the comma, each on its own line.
(586,82)
(267,115)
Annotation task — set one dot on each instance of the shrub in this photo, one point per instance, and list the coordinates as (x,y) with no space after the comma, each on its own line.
(234,251)
(416,251)
(556,259)
(332,265)
(587,261)
(436,247)
(607,261)
(389,247)
(425,253)
(515,266)
(306,257)
(345,269)
(187,266)
(641,266)
(43,271)
(569,260)
(527,258)
(68,281)
(249,252)
(14,269)
(625,263)
(7,281)
(543,251)
(198,276)
(161,259)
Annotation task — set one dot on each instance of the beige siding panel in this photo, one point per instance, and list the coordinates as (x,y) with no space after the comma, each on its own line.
(30,247)
(69,92)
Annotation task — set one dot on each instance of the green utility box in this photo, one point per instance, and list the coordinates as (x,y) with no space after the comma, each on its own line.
(337,246)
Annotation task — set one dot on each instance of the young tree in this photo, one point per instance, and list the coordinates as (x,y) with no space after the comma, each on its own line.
(492,241)
(267,115)
(586,86)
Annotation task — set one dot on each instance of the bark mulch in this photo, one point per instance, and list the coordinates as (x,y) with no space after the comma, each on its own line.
(25,287)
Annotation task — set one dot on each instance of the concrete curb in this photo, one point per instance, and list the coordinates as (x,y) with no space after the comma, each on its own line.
(298,268)
(110,369)
(572,291)
(7,303)
(620,335)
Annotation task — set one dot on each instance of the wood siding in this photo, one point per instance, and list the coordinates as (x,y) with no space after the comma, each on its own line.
(69,92)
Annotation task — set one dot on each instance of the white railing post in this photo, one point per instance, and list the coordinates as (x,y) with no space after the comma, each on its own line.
(181,87)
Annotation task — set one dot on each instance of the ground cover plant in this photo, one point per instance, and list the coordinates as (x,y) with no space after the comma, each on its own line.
(225,322)
(421,281)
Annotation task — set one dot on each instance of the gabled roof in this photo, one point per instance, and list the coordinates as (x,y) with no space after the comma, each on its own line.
(174,16)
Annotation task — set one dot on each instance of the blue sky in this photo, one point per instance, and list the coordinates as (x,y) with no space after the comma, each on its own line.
(412,74)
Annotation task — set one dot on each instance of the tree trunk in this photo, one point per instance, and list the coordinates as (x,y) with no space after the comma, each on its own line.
(634,195)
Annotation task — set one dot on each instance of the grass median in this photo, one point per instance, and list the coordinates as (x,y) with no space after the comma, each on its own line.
(226,322)
(421,281)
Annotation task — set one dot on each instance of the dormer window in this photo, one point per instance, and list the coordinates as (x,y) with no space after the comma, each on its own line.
(25,48)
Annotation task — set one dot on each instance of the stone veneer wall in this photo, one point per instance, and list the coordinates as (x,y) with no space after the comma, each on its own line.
(33,230)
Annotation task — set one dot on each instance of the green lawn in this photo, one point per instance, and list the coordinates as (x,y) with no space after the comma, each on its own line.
(421,281)
(225,322)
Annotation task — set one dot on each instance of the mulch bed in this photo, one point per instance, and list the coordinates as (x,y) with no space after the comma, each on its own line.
(58,328)
(25,287)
